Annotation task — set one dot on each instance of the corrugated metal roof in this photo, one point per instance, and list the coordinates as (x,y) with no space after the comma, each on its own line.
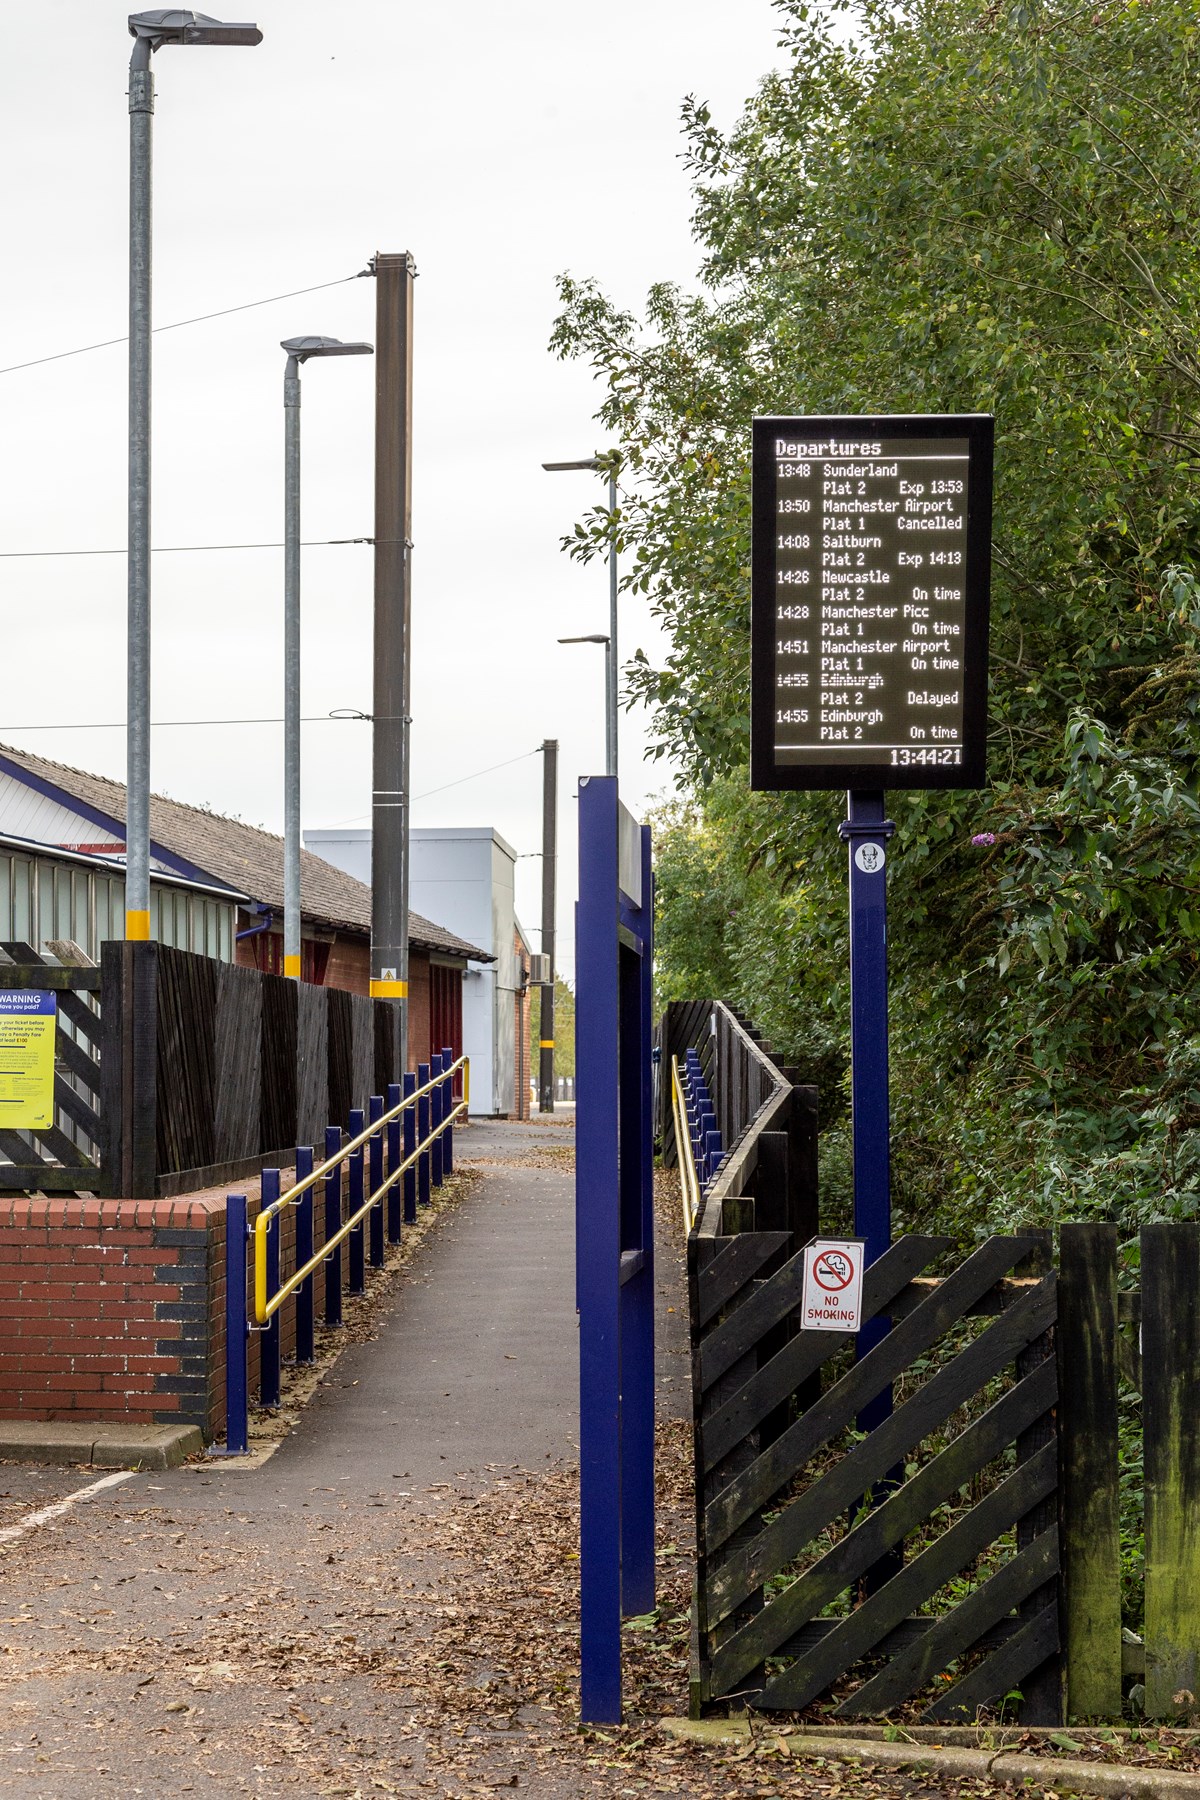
(243,856)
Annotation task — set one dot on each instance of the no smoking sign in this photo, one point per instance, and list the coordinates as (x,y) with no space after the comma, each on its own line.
(831,1298)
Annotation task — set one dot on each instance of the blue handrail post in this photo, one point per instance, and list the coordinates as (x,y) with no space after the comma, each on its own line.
(358,1272)
(268,1340)
(435,1119)
(393,1163)
(410,1144)
(375,1147)
(237,1327)
(305,1337)
(447,1109)
(333,1224)
(422,1136)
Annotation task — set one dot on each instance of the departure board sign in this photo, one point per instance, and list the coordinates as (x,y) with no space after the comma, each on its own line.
(871,562)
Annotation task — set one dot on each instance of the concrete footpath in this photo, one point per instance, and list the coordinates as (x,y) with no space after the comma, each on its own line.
(223,1631)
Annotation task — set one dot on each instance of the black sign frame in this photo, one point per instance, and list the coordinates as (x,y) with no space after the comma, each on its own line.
(766,771)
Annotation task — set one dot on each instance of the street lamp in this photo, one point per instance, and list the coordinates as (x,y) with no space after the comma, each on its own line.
(150,31)
(299,349)
(593,464)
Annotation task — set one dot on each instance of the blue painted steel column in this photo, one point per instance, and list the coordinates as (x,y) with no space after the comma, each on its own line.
(598,1251)
(637,1293)
(447,1109)
(305,1337)
(422,1135)
(237,1327)
(358,1274)
(268,1337)
(435,1118)
(867,831)
(409,1138)
(393,1163)
(333,1224)
(375,1176)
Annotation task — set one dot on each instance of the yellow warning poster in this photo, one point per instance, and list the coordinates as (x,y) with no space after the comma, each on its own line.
(27,1021)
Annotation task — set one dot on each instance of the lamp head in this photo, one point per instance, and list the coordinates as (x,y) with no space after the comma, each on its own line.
(304,347)
(178,25)
(591,462)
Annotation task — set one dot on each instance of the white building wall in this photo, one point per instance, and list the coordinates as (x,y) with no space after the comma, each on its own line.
(462,878)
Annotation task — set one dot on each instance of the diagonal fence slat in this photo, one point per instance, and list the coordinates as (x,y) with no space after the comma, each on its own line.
(915,1583)
(856,1472)
(773,1483)
(779,1378)
(1003,1670)
(736,1262)
(884,1527)
(911,1338)
(913,1668)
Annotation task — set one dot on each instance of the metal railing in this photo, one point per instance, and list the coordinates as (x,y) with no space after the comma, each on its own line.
(701,1147)
(689,1177)
(397,1152)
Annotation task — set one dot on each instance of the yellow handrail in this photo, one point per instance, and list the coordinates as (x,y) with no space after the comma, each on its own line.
(689,1180)
(265,1308)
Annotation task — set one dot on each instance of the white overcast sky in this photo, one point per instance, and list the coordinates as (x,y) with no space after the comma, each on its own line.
(501,145)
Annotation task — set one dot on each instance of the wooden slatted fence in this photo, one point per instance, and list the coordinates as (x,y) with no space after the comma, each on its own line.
(176,1072)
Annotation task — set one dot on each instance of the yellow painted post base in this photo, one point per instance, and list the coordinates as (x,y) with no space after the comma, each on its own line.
(389,990)
(137,926)
(291,967)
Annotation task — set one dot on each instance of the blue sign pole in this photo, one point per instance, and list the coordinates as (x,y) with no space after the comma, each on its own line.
(866,831)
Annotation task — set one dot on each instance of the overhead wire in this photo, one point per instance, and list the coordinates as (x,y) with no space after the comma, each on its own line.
(163,724)
(169,549)
(178,324)
(458,782)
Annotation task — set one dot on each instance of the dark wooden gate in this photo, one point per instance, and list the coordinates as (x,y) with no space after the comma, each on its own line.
(942,1583)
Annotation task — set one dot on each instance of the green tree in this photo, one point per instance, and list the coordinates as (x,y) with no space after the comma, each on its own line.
(943,205)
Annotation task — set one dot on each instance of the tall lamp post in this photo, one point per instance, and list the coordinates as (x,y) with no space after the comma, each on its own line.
(611,665)
(150,31)
(299,349)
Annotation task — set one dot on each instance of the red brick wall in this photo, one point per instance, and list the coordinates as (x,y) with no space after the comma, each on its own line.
(418,1010)
(349,965)
(115,1309)
(105,1309)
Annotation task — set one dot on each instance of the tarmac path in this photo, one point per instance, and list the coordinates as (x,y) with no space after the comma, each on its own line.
(228,1631)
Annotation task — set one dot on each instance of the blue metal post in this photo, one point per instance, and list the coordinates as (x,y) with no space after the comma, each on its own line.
(866,831)
(305,1337)
(422,1135)
(268,1337)
(393,1163)
(637,1292)
(447,1109)
(409,1138)
(435,1119)
(358,1273)
(598,1252)
(333,1224)
(237,1327)
(375,1173)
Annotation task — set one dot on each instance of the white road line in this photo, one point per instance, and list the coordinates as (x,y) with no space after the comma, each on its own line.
(45,1513)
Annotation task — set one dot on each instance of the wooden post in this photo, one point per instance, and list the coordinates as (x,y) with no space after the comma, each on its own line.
(1042,1689)
(139,1069)
(1170,1365)
(1089,1462)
